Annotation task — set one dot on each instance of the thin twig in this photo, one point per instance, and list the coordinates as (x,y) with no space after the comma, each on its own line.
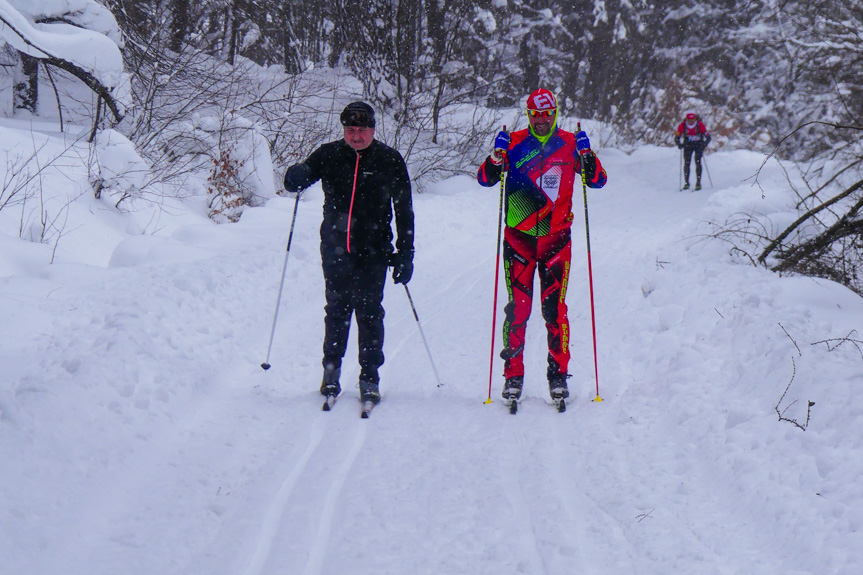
(799,353)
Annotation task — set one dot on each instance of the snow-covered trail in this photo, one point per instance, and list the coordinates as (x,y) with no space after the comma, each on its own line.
(156,444)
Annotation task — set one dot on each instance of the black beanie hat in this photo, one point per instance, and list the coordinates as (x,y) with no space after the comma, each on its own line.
(358,114)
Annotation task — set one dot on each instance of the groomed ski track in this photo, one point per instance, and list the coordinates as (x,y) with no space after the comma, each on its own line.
(214,466)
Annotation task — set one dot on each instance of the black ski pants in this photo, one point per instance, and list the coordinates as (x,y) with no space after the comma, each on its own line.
(687,158)
(355,285)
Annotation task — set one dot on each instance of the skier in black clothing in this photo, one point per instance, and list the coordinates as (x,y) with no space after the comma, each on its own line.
(691,136)
(364,182)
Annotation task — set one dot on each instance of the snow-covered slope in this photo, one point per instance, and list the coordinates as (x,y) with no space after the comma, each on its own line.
(138,434)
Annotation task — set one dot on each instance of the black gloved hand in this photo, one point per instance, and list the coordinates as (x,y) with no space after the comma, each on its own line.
(679,145)
(298,177)
(403,267)
(588,165)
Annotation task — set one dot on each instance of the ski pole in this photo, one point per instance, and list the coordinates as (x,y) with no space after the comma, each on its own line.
(590,275)
(680,174)
(423,335)
(266,364)
(704,159)
(496,274)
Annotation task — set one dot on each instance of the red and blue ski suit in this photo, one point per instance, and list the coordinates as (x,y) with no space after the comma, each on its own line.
(538,213)
(691,138)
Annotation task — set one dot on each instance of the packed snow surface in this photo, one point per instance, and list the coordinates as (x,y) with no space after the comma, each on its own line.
(139,434)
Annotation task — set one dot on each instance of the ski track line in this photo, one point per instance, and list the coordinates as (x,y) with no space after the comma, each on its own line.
(315,564)
(433,312)
(564,485)
(271,522)
(463,284)
(577,509)
(511,473)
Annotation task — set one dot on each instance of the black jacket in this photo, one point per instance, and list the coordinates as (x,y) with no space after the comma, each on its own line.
(382,186)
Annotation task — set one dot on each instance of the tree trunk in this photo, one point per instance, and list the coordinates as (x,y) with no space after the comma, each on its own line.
(407,33)
(25,92)
(290,42)
(229,33)
(179,24)
(527,54)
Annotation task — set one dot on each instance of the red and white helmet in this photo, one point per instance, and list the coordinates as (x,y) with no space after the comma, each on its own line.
(541,100)
(691,117)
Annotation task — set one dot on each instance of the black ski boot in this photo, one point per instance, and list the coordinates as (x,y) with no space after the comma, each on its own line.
(512,392)
(512,388)
(557,386)
(686,186)
(370,396)
(330,385)
(697,185)
(369,392)
(558,390)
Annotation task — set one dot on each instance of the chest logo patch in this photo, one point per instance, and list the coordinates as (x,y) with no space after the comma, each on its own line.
(549,182)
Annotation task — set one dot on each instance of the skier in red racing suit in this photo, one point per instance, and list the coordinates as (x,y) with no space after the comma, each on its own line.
(543,163)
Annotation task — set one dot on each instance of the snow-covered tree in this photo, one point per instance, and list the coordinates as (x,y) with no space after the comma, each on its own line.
(79,36)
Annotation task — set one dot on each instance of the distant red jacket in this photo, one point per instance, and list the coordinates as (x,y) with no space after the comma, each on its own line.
(694,136)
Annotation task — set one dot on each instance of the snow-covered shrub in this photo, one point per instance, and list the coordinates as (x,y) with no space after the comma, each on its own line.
(225,188)
(116,167)
(236,157)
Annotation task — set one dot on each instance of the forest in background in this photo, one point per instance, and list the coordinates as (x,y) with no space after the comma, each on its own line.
(780,77)
(755,69)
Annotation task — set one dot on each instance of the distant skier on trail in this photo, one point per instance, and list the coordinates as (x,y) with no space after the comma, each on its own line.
(692,136)
(364,183)
(543,164)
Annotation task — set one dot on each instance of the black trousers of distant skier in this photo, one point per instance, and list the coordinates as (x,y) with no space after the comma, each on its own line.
(698,148)
(354,287)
